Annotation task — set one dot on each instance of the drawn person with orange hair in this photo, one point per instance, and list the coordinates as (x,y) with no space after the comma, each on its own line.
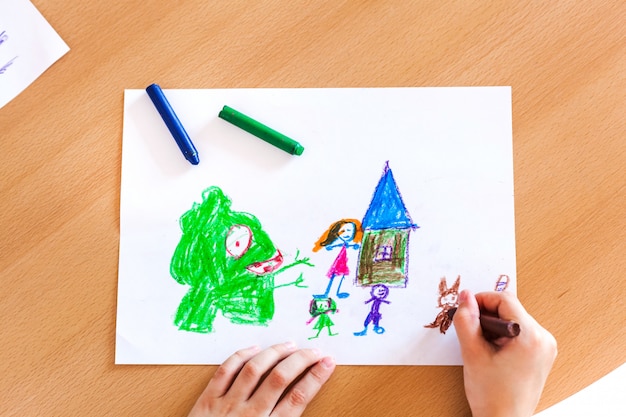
(344,234)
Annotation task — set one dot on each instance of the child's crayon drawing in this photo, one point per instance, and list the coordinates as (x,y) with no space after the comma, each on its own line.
(386,226)
(378,294)
(502,283)
(343,234)
(321,309)
(209,259)
(448,299)
(229,262)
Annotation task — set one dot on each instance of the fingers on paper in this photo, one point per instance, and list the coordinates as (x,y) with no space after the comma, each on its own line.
(501,304)
(228,371)
(467,322)
(256,369)
(304,390)
(285,373)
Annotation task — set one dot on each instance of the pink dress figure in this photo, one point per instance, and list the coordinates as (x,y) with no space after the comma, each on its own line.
(344,234)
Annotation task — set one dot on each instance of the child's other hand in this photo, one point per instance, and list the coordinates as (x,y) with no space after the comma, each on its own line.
(253,383)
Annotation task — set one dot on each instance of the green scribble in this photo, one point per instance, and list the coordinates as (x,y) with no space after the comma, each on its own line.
(229,262)
(321,309)
(297,282)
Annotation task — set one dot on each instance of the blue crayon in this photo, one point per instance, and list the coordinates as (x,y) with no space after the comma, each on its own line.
(173,124)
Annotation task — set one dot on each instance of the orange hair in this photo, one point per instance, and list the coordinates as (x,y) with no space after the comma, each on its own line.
(332,233)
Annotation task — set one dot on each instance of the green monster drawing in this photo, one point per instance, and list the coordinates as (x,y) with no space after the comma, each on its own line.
(230,264)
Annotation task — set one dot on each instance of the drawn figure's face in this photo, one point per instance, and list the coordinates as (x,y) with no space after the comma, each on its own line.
(322,305)
(347,231)
(449,299)
(225,248)
(380,291)
(231,261)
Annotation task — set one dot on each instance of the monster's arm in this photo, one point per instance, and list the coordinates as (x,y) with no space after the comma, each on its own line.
(296,283)
(300,279)
(296,261)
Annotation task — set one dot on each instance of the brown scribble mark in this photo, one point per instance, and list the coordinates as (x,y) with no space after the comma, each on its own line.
(448,299)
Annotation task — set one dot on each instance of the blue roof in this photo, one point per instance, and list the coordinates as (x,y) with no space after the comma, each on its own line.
(387,210)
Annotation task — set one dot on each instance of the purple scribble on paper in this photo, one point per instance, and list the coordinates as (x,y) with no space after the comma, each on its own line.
(3,38)
(3,69)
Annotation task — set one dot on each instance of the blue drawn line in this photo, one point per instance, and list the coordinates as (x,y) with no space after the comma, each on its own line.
(3,37)
(3,69)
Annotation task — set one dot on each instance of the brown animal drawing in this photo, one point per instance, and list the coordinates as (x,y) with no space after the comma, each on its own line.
(448,299)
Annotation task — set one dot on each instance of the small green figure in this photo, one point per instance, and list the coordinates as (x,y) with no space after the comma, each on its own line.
(320,309)
(229,262)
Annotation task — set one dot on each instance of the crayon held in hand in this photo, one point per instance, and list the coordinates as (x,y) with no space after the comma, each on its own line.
(261,131)
(494,327)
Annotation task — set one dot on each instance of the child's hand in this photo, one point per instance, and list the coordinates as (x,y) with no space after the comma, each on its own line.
(253,383)
(503,377)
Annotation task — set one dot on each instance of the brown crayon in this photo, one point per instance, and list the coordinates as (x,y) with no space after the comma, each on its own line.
(494,327)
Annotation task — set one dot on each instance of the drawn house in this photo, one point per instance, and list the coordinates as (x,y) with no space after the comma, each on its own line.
(383,258)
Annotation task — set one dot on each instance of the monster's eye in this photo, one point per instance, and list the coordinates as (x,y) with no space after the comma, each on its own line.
(238,240)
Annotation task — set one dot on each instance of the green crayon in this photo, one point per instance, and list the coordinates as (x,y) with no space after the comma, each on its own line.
(261,131)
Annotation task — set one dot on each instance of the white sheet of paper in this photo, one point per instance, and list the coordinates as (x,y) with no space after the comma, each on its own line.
(450,152)
(603,397)
(28,46)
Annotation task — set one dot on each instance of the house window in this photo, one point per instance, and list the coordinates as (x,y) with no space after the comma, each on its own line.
(383,253)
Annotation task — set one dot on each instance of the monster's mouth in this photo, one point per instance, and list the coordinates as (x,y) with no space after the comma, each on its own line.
(265,267)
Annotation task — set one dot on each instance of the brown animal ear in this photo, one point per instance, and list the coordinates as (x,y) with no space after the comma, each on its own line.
(443,286)
(455,286)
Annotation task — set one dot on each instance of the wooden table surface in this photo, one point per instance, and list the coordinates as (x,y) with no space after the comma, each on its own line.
(60,154)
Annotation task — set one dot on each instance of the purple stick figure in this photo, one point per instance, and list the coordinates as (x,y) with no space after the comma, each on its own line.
(379,292)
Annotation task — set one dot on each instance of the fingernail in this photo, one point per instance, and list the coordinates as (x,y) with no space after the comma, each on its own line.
(328,362)
(254,348)
(290,345)
(316,352)
(463,297)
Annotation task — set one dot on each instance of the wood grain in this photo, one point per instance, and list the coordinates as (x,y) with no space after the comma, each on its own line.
(60,153)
